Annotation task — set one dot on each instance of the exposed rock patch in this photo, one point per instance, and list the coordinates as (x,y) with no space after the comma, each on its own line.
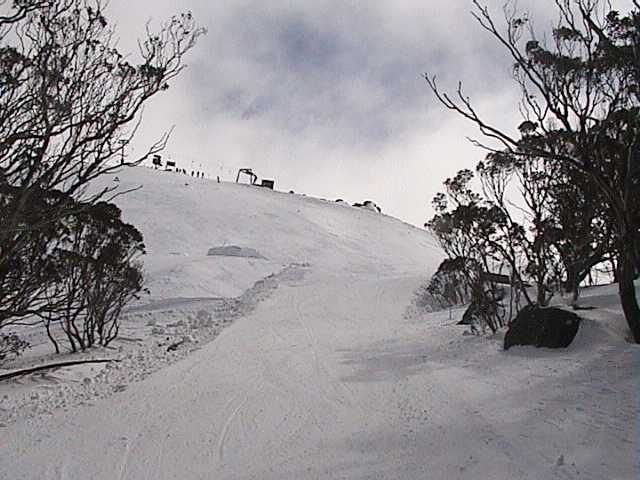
(548,327)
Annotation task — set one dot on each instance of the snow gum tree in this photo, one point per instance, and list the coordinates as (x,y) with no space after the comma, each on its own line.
(470,231)
(580,87)
(96,274)
(69,102)
(533,235)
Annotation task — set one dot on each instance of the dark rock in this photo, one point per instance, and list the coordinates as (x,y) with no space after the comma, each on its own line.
(174,346)
(547,327)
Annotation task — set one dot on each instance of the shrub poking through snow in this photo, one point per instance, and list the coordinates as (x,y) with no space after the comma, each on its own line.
(462,280)
(486,309)
(548,327)
(12,345)
(450,285)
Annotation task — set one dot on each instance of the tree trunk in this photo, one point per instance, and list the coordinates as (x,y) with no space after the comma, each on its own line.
(614,270)
(572,284)
(628,297)
(541,293)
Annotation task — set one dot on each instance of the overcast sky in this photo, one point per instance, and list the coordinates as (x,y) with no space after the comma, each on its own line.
(327,96)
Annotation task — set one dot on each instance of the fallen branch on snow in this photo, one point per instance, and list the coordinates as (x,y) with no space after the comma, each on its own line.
(27,371)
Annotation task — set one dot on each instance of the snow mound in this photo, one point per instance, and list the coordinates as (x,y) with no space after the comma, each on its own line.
(234,251)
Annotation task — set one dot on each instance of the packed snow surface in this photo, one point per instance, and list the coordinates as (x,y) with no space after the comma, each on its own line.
(325,367)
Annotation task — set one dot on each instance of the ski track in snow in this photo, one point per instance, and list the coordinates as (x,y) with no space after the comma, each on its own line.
(318,396)
(237,406)
(137,364)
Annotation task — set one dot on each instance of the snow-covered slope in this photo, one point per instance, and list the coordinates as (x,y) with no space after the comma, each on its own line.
(183,217)
(323,369)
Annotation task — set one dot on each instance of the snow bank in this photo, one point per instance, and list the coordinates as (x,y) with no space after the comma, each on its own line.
(234,251)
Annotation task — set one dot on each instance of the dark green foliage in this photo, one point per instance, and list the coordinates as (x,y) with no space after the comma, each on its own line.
(28,264)
(75,271)
(98,275)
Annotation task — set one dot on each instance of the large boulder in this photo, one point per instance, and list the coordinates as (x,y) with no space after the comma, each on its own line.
(548,327)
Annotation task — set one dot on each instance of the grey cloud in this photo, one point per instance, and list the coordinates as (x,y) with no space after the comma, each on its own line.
(349,71)
(316,92)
